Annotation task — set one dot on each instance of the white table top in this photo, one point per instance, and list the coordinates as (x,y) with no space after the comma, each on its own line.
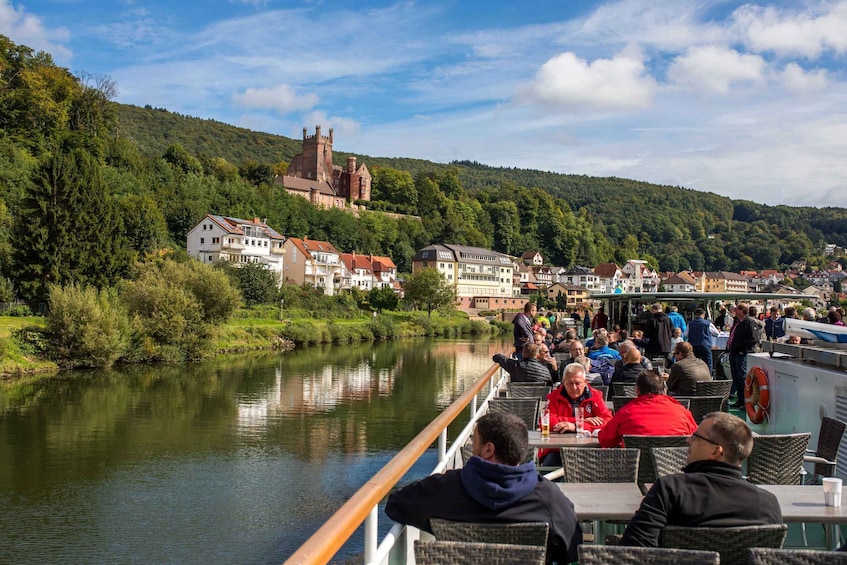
(603,501)
(804,503)
(561,440)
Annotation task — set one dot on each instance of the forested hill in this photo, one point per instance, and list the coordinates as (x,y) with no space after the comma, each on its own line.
(679,227)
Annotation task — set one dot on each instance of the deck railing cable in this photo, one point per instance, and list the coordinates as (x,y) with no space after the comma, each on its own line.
(322,546)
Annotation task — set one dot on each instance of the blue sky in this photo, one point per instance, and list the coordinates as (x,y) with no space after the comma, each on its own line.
(746,100)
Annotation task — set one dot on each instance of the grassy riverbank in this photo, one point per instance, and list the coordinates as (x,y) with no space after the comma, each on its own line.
(257,329)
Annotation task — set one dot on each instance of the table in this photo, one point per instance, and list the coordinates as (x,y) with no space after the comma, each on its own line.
(604,501)
(804,503)
(561,440)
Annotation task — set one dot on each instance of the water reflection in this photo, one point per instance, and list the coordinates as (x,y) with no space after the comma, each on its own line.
(237,460)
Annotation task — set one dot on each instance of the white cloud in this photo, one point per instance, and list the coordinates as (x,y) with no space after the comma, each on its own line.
(569,83)
(714,68)
(340,125)
(787,33)
(797,79)
(27,29)
(281,98)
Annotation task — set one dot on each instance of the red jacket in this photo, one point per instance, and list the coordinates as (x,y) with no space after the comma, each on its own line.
(648,415)
(592,404)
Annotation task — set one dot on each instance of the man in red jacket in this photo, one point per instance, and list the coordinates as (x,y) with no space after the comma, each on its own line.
(562,403)
(653,413)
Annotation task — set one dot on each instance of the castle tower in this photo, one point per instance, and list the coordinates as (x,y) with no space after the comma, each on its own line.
(316,159)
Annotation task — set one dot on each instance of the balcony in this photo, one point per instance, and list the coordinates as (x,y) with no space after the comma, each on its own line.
(232,245)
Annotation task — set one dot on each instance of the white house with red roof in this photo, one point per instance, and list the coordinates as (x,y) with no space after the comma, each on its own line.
(317,263)
(222,238)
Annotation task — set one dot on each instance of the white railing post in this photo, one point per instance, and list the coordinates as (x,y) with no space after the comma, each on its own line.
(473,406)
(442,445)
(371,533)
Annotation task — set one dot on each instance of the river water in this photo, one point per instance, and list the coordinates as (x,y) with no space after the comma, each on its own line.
(237,460)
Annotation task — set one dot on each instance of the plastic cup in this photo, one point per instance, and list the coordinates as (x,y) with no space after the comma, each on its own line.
(579,417)
(831,491)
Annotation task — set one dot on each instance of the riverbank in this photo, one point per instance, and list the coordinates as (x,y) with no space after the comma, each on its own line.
(252,330)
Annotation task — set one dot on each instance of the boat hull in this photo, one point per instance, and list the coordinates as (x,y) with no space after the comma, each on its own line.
(828,333)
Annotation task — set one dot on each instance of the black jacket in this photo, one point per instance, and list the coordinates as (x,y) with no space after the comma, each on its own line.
(708,493)
(658,332)
(741,340)
(494,493)
(525,370)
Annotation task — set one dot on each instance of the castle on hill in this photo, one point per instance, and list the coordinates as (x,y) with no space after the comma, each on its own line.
(312,175)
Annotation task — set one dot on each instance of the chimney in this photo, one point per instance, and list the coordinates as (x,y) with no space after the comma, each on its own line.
(351,164)
(256,221)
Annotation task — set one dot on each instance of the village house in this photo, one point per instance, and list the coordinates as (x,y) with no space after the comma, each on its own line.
(221,238)
(680,282)
(642,277)
(723,281)
(609,278)
(582,276)
(312,262)
(576,296)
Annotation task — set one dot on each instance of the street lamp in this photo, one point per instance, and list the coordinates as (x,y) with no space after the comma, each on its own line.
(281,306)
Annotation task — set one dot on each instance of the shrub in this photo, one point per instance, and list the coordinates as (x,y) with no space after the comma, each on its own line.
(19,310)
(88,328)
(383,327)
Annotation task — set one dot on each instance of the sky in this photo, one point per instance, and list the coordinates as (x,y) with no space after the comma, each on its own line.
(744,99)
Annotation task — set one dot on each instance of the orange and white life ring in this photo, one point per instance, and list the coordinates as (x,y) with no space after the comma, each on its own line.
(757,395)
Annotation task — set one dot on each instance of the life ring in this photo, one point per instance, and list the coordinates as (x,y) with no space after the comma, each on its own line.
(757,395)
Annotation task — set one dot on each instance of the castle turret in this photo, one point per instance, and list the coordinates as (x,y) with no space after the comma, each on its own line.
(351,165)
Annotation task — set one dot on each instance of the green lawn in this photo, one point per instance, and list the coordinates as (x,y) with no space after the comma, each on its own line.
(9,323)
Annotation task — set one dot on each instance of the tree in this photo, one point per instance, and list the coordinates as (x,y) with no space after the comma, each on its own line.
(428,290)
(383,298)
(258,284)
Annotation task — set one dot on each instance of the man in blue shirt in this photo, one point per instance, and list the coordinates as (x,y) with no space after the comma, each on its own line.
(701,334)
(774,325)
(677,320)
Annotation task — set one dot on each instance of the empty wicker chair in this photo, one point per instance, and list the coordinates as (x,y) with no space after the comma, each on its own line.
(763,556)
(731,542)
(646,470)
(777,459)
(465,553)
(620,401)
(528,390)
(583,465)
(699,406)
(669,460)
(526,408)
(622,555)
(826,453)
(517,533)
(604,389)
(623,389)
(713,388)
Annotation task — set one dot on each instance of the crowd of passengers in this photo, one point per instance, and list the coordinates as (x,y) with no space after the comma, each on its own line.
(498,484)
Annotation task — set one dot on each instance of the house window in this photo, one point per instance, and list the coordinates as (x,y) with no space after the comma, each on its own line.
(202,240)
(216,240)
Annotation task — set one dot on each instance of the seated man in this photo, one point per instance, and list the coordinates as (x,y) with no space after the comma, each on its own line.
(545,356)
(601,349)
(630,366)
(563,401)
(711,491)
(494,486)
(526,370)
(652,413)
(687,370)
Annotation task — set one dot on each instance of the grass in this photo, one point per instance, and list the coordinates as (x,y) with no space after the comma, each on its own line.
(11,323)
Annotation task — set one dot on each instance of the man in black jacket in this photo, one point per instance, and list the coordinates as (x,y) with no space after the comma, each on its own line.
(494,486)
(529,369)
(658,333)
(711,490)
(741,341)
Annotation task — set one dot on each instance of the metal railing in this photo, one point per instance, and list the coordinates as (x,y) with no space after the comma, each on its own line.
(363,506)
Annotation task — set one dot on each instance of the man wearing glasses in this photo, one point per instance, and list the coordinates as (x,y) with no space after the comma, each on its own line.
(710,491)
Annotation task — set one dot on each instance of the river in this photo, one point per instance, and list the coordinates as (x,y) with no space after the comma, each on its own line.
(237,460)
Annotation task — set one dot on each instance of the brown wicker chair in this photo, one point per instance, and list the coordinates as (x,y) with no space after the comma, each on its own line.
(669,460)
(646,468)
(713,388)
(516,533)
(622,555)
(731,542)
(777,459)
(699,406)
(465,553)
(528,390)
(826,453)
(583,465)
(763,556)
(526,408)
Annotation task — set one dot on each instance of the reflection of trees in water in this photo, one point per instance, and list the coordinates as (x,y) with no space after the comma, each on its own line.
(374,397)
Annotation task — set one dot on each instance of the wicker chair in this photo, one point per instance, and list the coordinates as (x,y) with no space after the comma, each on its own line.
(583,465)
(731,542)
(604,389)
(528,390)
(646,469)
(516,533)
(777,459)
(620,401)
(623,390)
(622,555)
(526,408)
(464,553)
(685,403)
(826,453)
(699,406)
(762,556)
(713,388)
(669,460)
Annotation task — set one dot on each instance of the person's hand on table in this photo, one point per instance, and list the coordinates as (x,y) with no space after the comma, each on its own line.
(562,427)
(594,421)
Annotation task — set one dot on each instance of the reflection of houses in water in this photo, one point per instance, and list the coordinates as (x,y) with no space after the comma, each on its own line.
(255,410)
